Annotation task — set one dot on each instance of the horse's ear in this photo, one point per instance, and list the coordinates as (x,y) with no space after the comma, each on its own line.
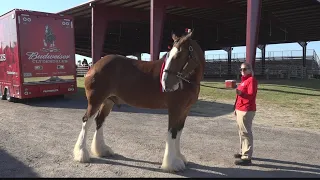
(189,35)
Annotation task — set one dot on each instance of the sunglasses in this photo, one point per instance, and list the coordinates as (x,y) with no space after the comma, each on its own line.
(243,69)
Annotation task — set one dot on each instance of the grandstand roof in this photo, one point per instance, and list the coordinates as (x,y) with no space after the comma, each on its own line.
(282,21)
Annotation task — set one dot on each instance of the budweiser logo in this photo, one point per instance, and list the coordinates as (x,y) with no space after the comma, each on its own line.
(37,56)
(2,57)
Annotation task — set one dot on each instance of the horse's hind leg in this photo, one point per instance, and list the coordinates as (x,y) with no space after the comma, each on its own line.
(80,151)
(98,146)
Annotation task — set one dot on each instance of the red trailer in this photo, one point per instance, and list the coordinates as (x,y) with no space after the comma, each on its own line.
(37,55)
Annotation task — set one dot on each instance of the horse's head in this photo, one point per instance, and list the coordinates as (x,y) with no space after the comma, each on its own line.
(182,61)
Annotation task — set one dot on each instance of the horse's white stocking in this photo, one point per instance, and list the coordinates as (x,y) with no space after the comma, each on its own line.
(181,156)
(171,162)
(98,147)
(80,150)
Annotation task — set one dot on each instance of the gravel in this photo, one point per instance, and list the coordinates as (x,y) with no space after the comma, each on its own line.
(37,139)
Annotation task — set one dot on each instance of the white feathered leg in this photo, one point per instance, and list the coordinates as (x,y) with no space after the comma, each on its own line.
(80,150)
(98,146)
(171,162)
(179,154)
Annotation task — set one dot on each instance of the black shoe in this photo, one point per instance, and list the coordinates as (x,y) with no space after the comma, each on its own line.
(243,162)
(237,156)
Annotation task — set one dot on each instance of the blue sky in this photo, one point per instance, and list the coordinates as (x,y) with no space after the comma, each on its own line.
(59,5)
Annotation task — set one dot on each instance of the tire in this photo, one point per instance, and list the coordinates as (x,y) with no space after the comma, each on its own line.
(9,98)
(61,96)
(3,97)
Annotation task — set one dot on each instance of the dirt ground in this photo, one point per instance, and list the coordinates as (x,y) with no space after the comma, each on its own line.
(37,139)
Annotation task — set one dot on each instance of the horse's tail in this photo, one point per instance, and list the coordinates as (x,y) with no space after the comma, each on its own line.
(90,79)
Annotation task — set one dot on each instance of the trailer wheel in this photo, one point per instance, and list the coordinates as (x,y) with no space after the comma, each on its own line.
(9,98)
(3,95)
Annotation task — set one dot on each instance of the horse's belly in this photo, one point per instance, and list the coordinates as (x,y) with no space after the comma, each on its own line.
(142,98)
(148,105)
(144,103)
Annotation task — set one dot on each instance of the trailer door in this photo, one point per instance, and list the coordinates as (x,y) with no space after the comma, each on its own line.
(47,48)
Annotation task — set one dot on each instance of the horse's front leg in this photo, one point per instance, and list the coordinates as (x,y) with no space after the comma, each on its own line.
(173,160)
(179,154)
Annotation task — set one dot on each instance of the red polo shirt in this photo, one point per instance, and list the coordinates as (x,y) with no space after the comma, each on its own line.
(247,100)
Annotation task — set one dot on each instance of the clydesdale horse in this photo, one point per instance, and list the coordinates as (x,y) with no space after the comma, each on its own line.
(169,83)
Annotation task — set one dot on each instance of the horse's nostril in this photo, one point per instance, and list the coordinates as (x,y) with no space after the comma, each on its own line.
(168,90)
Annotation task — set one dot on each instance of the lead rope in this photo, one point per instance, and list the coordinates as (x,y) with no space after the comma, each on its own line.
(234,105)
(199,84)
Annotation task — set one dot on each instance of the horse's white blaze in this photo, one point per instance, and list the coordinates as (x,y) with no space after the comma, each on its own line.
(179,154)
(172,53)
(171,162)
(180,84)
(98,146)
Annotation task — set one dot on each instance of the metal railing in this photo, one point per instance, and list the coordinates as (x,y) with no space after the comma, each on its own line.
(270,55)
(279,64)
(82,70)
(317,59)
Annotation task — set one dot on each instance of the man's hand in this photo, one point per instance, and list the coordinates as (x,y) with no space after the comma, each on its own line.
(238,92)
(235,113)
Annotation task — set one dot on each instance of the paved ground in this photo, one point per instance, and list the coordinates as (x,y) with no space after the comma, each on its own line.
(37,140)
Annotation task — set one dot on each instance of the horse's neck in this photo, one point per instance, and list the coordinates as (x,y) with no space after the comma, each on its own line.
(199,71)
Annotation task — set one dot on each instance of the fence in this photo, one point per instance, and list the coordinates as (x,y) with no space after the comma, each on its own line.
(82,70)
(278,64)
(274,55)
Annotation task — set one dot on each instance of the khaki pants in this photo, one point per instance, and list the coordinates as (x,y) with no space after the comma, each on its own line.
(244,121)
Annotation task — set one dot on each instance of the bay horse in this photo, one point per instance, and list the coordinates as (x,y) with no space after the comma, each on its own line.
(160,84)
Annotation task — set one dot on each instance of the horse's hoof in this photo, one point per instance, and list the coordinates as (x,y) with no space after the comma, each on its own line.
(176,165)
(183,158)
(81,155)
(103,152)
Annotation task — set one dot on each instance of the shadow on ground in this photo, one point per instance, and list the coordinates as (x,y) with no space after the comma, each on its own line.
(11,167)
(201,108)
(196,170)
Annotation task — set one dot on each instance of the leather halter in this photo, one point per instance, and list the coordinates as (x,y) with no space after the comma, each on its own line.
(188,69)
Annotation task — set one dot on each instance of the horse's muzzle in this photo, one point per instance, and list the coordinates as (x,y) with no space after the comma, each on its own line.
(168,90)
(171,83)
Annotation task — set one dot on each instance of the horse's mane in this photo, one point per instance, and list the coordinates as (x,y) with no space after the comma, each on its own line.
(150,66)
(164,56)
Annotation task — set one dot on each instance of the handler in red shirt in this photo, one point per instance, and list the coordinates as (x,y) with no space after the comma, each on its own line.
(245,109)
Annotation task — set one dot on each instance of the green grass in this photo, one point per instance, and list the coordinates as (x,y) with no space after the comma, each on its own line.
(293,94)
(288,93)
(294,103)
(80,82)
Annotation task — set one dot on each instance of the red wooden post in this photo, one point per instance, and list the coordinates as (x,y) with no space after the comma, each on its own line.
(157,15)
(98,28)
(253,23)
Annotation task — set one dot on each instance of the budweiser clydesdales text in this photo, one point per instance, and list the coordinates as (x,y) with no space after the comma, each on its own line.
(47,58)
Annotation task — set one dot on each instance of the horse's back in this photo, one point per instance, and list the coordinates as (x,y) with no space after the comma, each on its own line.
(109,60)
(125,72)
(133,81)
